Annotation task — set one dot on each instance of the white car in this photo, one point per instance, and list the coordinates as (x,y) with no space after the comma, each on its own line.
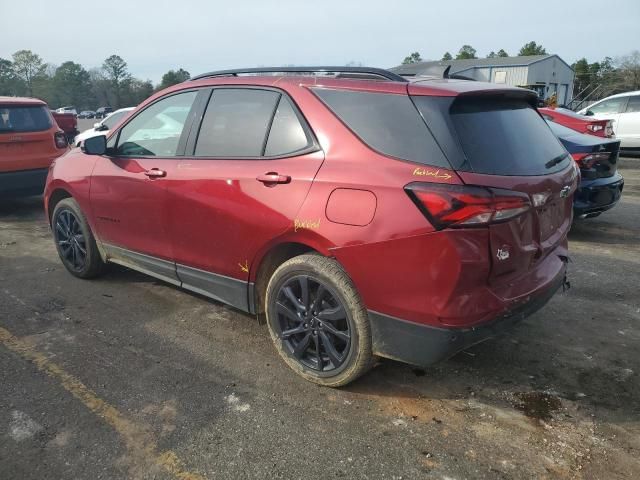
(67,110)
(102,127)
(624,110)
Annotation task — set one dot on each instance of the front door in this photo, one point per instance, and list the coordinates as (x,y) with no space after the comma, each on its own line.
(246,178)
(129,186)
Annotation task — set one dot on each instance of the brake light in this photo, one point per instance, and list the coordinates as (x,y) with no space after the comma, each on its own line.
(466,206)
(594,127)
(61,140)
(588,160)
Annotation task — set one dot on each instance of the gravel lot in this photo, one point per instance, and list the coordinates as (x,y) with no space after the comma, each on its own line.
(127,377)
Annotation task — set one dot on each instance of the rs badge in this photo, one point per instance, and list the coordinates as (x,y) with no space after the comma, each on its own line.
(503,253)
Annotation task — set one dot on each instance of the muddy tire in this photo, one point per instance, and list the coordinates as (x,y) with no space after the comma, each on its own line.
(74,240)
(318,322)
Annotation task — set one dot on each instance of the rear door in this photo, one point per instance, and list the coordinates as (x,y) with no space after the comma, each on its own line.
(26,137)
(251,164)
(629,124)
(610,110)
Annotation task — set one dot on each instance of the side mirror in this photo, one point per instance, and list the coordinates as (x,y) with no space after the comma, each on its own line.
(95,145)
(96,125)
(589,113)
(101,127)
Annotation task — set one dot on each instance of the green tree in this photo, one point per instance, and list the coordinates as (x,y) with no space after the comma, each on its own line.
(502,53)
(115,69)
(447,56)
(582,75)
(532,48)
(492,54)
(413,58)
(173,77)
(466,52)
(71,86)
(135,91)
(28,66)
(10,84)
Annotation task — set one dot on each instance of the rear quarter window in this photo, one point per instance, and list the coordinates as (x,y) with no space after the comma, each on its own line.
(389,124)
(506,137)
(23,118)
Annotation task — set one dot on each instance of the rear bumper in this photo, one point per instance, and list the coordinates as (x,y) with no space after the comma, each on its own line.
(596,196)
(423,345)
(23,182)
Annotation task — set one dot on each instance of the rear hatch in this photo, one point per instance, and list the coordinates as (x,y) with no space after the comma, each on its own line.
(26,137)
(498,140)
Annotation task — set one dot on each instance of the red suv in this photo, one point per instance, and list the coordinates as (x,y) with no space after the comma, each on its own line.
(30,140)
(365,215)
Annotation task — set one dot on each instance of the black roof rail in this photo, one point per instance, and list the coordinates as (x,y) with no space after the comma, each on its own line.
(340,72)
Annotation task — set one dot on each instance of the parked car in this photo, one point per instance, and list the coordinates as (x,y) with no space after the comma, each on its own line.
(579,123)
(624,110)
(67,110)
(29,141)
(87,114)
(601,184)
(103,127)
(363,214)
(102,112)
(68,122)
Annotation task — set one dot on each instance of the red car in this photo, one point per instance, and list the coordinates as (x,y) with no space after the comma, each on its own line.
(68,122)
(577,122)
(363,214)
(29,141)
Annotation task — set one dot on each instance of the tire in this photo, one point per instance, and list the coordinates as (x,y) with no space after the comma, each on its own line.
(73,236)
(327,343)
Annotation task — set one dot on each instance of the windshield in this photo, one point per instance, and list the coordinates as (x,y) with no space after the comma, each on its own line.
(22,118)
(560,130)
(506,137)
(113,119)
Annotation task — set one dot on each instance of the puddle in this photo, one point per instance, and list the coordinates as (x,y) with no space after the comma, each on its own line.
(538,405)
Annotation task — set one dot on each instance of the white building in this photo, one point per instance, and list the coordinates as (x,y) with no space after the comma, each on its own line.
(546,74)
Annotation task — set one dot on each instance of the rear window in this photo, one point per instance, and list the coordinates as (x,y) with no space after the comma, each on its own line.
(22,118)
(389,124)
(506,137)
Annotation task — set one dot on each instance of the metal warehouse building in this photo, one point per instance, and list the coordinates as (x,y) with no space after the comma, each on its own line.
(546,74)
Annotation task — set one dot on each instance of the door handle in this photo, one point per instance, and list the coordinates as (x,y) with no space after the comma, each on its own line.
(273,178)
(155,173)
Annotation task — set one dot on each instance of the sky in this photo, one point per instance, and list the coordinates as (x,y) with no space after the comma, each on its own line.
(154,36)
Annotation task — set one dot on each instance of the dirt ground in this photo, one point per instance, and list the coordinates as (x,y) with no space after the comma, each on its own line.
(127,377)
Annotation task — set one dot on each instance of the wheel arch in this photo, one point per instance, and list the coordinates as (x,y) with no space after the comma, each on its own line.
(268,262)
(54,198)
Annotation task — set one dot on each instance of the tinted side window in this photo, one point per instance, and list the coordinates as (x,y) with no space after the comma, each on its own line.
(156,130)
(235,123)
(633,105)
(287,134)
(387,123)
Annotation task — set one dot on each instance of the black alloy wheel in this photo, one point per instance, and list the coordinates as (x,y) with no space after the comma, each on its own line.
(71,241)
(313,323)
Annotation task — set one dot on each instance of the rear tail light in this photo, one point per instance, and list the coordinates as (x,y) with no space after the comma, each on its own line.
(466,206)
(588,160)
(594,127)
(61,140)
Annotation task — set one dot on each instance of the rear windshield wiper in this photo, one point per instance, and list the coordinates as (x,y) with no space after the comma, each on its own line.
(556,160)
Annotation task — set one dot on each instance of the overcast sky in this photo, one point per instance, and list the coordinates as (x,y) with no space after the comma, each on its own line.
(154,36)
